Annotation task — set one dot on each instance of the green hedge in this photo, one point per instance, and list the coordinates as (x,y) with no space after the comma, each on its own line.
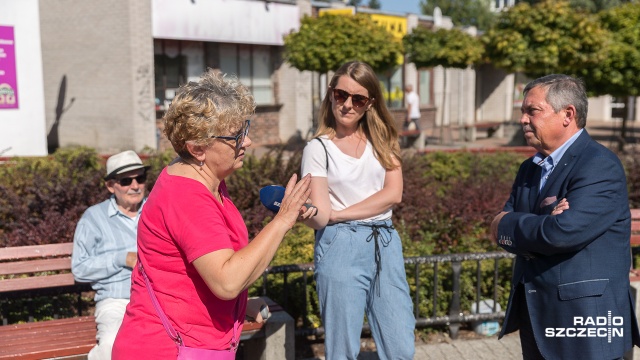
(449,201)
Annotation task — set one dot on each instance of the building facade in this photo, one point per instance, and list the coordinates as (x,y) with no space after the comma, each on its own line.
(101,74)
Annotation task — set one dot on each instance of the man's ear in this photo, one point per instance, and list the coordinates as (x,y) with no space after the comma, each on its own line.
(110,184)
(569,115)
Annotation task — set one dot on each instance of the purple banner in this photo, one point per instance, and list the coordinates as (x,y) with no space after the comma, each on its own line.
(8,77)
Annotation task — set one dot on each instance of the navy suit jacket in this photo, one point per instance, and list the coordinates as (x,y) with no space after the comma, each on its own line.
(574,266)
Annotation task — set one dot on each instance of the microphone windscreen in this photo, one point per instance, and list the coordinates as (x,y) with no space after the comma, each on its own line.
(271,197)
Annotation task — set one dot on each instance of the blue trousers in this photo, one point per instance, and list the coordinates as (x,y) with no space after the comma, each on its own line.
(359,268)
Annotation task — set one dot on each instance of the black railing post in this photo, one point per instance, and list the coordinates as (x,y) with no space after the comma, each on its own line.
(454,310)
(286,290)
(478,286)
(264,282)
(79,303)
(495,284)
(305,313)
(416,309)
(434,313)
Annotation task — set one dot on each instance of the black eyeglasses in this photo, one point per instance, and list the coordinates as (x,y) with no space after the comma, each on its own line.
(238,138)
(141,179)
(357,100)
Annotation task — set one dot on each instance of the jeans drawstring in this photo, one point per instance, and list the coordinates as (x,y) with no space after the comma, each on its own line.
(378,236)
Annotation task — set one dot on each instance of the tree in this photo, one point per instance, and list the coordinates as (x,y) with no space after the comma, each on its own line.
(323,44)
(462,12)
(619,73)
(374,4)
(549,37)
(591,6)
(449,48)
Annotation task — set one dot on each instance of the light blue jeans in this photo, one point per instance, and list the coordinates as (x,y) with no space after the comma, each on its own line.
(360,268)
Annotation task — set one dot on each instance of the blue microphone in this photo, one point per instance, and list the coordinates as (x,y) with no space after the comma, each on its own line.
(271,197)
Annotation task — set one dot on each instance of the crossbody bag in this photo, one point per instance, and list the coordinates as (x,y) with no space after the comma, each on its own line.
(185,352)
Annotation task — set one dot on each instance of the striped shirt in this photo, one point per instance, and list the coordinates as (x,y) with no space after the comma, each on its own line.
(104,235)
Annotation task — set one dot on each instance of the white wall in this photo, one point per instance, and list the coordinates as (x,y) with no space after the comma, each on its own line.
(23,130)
(234,21)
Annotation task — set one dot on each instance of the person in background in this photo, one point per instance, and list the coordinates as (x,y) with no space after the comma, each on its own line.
(193,245)
(412,118)
(568,221)
(104,246)
(356,180)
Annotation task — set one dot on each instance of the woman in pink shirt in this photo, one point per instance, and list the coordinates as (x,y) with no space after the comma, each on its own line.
(193,244)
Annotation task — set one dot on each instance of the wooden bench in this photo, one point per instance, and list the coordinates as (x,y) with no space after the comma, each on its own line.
(408,137)
(28,272)
(470,130)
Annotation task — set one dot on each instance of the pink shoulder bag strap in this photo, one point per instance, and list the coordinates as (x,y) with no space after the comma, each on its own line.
(173,334)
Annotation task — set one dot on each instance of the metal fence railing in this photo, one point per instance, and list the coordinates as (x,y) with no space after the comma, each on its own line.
(437,303)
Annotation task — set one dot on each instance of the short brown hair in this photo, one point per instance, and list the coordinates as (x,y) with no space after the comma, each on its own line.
(215,105)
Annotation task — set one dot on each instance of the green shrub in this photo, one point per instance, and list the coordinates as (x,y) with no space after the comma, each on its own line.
(449,200)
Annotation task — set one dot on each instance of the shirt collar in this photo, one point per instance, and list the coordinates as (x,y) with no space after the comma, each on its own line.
(114,210)
(552,160)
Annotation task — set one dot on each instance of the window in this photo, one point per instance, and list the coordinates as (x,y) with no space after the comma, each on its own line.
(177,62)
(392,88)
(424,87)
(252,64)
(170,67)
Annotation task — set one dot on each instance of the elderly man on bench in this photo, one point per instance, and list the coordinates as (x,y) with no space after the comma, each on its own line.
(104,246)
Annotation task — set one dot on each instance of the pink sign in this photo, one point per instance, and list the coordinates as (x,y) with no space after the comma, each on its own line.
(8,77)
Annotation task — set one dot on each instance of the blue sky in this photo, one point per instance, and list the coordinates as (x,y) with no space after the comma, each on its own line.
(401,6)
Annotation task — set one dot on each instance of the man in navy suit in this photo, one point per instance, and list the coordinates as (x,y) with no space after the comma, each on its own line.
(568,221)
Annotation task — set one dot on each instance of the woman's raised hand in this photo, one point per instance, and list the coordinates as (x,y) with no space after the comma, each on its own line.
(295,196)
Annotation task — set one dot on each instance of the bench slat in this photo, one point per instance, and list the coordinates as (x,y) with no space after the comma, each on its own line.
(35,251)
(58,351)
(47,326)
(45,339)
(33,266)
(50,340)
(36,282)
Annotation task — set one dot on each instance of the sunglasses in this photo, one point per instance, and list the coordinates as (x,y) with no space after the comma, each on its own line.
(357,101)
(238,138)
(141,179)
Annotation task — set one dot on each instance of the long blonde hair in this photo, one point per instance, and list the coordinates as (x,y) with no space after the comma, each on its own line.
(377,124)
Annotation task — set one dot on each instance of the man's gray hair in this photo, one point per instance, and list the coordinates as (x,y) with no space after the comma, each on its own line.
(562,91)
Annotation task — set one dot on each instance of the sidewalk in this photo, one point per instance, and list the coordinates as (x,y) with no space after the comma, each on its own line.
(488,348)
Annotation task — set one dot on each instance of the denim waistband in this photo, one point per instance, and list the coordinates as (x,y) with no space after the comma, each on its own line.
(381,234)
(356,223)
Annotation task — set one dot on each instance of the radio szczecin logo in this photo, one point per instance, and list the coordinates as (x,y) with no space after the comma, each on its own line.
(599,326)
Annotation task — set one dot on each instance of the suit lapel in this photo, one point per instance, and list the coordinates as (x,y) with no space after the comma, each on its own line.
(564,165)
(535,185)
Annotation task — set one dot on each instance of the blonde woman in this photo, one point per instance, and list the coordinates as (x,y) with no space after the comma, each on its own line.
(356,180)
